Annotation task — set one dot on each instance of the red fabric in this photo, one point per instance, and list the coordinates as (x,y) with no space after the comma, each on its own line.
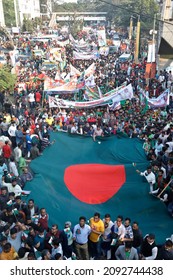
(43,222)
(94,183)
(6,151)
(37,96)
(91,120)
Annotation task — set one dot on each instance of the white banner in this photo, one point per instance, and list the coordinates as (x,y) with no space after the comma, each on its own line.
(85,56)
(90,70)
(161,101)
(151,53)
(74,71)
(115,95)
(101,37)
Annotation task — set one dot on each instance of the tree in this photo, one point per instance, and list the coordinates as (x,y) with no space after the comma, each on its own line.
(9,13)
(27,25)
(7,80)
(74,24)
(119,12)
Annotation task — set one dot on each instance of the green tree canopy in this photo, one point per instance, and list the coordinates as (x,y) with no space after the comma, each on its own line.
(7,80)
(9,13)
(119,12)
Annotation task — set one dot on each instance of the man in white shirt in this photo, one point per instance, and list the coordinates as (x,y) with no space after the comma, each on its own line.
(12,133)
(74,128)
(31,99)
(149,176)
(18,152)
(13,187)
(80,235)
(97,132)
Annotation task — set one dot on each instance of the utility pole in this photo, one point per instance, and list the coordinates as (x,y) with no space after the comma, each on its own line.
(137,40)
(131,28)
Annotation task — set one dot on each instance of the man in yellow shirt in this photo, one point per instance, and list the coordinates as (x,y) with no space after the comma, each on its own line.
(8,252)
(97,229)
(49,120)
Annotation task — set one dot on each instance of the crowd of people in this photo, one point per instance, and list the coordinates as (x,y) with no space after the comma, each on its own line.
(26,123)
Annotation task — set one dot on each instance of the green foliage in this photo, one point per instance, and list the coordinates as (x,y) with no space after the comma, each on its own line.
(7,80)
(27,25)
(118,11)
(75,25)
(9,13)
(31,24)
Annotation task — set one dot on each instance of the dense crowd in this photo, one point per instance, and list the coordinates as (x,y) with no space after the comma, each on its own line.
(26,123)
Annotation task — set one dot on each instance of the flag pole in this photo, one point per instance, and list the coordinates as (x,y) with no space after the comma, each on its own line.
(165,188)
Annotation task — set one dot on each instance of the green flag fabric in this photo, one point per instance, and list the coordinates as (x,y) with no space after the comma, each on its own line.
(146,107)
(77,176)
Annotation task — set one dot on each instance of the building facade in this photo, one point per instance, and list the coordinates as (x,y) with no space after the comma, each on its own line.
(2,21)
(165,36)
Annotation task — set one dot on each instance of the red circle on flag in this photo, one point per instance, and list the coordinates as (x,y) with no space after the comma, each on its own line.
(94,183)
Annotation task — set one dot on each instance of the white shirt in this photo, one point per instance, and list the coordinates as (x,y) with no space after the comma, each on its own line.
(107,231)
(17,154)
(16,189)
(31,97)
(150,177)
(74,129)
(13,169)
(11,130)
(81,233)
(121,231)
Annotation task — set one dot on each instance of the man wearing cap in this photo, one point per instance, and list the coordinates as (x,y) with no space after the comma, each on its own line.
(149,249)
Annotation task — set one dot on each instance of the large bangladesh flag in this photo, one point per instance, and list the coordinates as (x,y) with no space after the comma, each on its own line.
(77,176)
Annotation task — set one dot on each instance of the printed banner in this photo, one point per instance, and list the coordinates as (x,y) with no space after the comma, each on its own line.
(49,83)
(55,54)
(114,106)
(116,96)
(90,70)
(101,37)
(104,51)
(85,56)
(150,70)
(151,57)
(74,71)
(161,101)
(66,88)
(62,44)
